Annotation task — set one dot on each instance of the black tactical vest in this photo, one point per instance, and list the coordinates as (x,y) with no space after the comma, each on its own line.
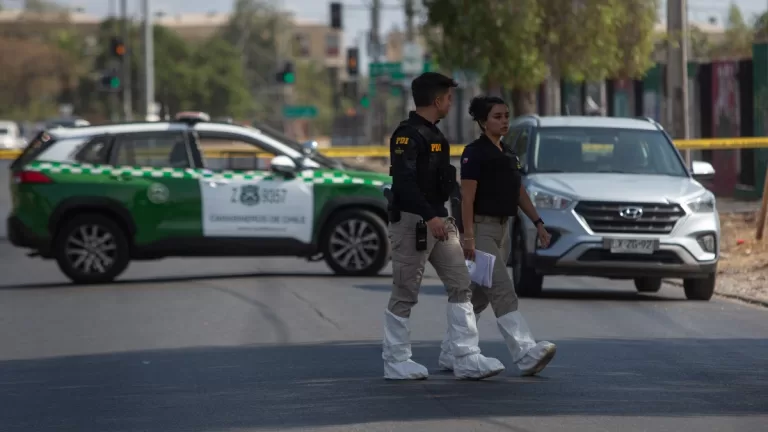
(435,174)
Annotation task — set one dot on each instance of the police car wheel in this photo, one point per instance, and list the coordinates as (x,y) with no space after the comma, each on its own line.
(355,243)
(91,248)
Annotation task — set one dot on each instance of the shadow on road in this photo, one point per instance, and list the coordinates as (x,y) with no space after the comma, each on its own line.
(171,279)
(548,293)
(298,386)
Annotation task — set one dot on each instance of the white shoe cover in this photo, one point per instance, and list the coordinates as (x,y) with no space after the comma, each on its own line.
(445,360)
(396,351)
(468,363)
(530,357)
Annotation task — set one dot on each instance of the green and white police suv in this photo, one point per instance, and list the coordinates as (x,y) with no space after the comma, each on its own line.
(95,198)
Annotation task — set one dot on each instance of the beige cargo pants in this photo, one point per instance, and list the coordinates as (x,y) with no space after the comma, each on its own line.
(492,236)
(408,264)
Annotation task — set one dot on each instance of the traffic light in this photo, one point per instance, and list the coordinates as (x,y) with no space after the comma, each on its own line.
(365,101)
(287,74)
(117,48)
(353,63)
(110,81)
(336,15)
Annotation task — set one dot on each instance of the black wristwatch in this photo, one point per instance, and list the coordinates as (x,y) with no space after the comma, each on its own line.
(538,221)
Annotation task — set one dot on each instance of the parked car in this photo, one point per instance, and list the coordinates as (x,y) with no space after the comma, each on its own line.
(95,198)
(619,202)
(11,137)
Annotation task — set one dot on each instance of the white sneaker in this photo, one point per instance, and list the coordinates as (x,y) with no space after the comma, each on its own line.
(468,363)
(530,357)
(396,351)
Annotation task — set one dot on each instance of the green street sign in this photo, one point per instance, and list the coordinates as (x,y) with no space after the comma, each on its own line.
(377,69)
(391,69)
(299,111)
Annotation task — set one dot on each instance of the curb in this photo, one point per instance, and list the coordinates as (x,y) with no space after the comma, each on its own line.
(743,298)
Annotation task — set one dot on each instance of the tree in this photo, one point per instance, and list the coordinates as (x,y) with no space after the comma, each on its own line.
(517,43)
(761,28)
(495,40)
(219,82)
(206,77)
(738,38)
(30,77)
(700,43)
(255,29)
(313,87)
(634,23)
(43,6)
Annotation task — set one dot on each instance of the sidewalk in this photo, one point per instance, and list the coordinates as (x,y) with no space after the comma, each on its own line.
(731,205)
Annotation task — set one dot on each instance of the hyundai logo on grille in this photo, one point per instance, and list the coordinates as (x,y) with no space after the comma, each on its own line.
(631,212)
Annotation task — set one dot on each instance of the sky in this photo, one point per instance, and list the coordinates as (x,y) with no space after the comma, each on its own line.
(356,17)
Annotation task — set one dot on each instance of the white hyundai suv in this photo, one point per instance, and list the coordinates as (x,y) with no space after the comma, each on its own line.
(620,203)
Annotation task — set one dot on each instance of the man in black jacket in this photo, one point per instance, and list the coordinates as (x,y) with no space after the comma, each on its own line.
(423,179)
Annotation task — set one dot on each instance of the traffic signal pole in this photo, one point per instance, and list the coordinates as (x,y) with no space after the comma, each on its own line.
(149,60)
(376,114)
(126,63)
(410,36)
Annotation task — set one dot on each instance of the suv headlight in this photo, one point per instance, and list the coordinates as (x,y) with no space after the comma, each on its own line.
(702,204)
(547,200)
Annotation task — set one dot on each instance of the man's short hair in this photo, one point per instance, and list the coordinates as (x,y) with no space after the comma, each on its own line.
(429,86)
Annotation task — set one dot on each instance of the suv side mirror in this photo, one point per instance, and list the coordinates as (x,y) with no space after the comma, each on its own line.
(309,148)
(283,164)
(702,171)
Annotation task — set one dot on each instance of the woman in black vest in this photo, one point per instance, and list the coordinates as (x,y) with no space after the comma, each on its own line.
(492,191)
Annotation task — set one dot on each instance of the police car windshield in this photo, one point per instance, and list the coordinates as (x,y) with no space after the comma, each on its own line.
(605,150)
(323,161)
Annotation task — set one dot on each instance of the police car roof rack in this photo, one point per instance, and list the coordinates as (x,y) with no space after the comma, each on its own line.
(191,117)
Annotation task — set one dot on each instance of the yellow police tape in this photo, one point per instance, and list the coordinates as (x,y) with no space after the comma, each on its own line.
(456,149)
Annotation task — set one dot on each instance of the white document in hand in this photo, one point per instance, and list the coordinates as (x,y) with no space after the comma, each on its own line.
(481,270)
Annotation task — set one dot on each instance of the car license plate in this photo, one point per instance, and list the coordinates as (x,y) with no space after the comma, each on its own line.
(631,246)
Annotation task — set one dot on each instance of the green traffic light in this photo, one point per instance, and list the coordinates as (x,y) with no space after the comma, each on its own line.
(289,78)
(114,82)
(365,102)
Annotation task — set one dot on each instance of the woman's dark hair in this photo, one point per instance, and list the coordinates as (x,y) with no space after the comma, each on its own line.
(481,106)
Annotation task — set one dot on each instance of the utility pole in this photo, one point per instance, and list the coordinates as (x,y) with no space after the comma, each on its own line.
(126,65)
(677,71)
(410,37)
(149,60)
(378,110)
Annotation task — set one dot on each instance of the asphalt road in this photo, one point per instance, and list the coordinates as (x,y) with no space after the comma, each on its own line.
(278,344)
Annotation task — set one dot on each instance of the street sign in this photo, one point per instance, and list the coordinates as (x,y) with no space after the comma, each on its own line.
(378,69)
(299,111)
(392,70)
(413,59)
